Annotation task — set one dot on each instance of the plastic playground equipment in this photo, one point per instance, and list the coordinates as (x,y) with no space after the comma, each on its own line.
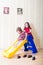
(11,51)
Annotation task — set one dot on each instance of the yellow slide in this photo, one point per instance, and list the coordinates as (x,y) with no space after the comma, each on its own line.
(11,51)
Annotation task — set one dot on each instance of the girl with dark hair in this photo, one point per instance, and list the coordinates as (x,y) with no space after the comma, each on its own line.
(30,45)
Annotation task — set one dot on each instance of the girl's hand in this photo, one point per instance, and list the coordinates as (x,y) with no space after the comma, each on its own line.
(19,39)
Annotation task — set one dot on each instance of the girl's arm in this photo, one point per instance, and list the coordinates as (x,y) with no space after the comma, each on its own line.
(19,38)
(25,35)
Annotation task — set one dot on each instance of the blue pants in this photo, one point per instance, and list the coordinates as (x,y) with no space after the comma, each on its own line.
(30,45)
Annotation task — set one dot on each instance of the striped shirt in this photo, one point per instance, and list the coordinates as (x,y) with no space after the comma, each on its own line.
(22,36)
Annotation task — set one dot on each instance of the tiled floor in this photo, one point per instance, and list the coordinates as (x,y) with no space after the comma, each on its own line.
(22,61)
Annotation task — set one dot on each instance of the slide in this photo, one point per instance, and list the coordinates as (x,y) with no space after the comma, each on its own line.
(11,51)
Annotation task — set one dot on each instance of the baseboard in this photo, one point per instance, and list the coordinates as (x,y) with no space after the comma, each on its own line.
(39,49)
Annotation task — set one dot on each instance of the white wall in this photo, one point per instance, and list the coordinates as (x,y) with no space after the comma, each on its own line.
(32,12)
(7,23)
(42,23)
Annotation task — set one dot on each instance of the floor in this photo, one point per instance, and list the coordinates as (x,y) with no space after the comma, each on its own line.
(22,61)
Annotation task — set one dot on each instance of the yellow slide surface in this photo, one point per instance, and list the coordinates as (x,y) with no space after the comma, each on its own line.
(11,51)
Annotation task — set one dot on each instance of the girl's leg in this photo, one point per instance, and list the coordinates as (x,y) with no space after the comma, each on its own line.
(32,44)
(25,46)
(27,49)
(33,47)
(33,56)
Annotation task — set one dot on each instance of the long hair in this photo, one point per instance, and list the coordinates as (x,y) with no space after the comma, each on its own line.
(28,25)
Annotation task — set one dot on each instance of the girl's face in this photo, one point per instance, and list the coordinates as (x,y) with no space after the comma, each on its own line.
(26,25)
(19,32)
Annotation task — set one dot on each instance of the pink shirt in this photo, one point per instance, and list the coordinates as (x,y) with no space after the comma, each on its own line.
(27,30)
(22,36)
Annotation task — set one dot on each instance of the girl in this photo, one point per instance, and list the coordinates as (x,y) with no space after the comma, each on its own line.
(30,45)
(21,36)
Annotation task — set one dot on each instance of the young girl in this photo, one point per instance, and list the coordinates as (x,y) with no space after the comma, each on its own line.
(21,36)
(30,45)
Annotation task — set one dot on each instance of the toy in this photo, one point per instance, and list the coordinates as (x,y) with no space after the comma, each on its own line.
(11,51)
